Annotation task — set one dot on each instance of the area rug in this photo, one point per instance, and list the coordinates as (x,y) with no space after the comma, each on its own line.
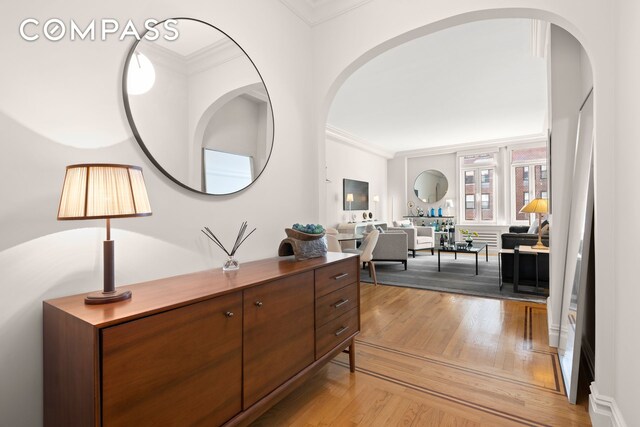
(456,276)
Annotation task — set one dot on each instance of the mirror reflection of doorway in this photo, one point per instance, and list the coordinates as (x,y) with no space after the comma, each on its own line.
(225,173)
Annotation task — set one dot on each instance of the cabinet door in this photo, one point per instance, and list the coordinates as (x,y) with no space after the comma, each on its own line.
(278,333)
(181,367)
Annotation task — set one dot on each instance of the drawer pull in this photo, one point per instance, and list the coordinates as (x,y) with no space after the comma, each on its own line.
(258,303)
(341,330)
(229,314)
(340,303)
(341,276)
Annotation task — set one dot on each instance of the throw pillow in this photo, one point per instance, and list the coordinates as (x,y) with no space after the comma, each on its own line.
(545,230)
(533,229)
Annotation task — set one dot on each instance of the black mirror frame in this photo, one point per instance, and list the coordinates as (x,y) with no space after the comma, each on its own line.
(136,133)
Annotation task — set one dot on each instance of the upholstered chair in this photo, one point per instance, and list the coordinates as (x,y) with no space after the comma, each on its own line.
(419,238)
(366,252)
(333,245)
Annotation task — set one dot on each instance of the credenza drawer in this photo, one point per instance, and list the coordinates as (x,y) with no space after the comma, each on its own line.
(336,331)
(335,304)
(336,276)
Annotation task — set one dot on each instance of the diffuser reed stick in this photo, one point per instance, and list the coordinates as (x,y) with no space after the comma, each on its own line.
(231,263)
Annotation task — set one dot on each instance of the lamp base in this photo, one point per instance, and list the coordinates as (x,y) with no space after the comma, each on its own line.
(539,245)
(107,297)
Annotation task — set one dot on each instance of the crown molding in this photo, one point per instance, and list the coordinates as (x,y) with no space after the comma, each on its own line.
(346,138)
(475,145)
(314,12)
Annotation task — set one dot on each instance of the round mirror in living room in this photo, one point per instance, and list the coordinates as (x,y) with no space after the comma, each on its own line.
(431,186)
(198,107)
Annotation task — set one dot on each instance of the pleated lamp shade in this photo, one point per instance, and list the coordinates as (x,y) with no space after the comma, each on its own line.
(536,206)
(94,191)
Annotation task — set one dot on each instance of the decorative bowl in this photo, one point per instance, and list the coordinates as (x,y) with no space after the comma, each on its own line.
(295,234)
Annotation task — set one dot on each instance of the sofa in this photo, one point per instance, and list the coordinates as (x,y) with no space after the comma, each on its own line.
(419,237)
(521,236)
(392,246)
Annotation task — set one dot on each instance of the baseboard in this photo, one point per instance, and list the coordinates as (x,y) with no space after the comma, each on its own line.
(603,410)
(554,329)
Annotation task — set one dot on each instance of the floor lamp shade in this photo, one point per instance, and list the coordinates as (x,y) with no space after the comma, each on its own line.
(537,206)
(104,191)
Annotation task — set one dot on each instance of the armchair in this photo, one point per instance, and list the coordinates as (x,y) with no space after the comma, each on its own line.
(391,246)
(419,238)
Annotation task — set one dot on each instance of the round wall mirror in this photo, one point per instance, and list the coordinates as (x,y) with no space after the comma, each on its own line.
(198,107)
(431,186)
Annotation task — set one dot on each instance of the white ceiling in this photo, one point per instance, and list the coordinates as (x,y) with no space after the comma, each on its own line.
(314,12)
(475,82)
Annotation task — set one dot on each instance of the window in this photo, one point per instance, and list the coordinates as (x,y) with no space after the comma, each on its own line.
(470,201)
(478,188)
(529,179)
(469,177)
(485,201)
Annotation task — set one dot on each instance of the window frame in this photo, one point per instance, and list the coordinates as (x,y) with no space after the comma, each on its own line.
(531,180)
(490,164)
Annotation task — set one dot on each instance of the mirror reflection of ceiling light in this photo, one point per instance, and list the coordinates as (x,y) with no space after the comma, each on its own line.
(141,75)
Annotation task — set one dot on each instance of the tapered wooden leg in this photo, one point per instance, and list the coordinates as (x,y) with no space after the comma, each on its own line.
(372,272)
(352,356)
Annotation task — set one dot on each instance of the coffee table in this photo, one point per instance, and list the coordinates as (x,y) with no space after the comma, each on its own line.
(476,248)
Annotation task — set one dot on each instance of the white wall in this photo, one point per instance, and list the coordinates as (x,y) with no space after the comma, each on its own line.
(383,24)
(625,284)
(61,104)
(346,161)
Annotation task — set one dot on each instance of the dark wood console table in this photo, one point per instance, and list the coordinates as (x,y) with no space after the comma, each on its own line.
(208,348)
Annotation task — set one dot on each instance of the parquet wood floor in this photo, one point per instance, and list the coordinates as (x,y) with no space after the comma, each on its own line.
(435,359)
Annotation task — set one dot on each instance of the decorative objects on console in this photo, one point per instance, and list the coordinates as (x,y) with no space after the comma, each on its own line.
(231,263)
(104,191)
(305,242)
(538,206)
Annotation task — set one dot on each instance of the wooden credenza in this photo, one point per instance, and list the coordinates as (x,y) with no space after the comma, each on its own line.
(202,349)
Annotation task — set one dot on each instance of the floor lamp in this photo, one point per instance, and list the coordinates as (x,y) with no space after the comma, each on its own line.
(537,206)
(376,199)
(104,191)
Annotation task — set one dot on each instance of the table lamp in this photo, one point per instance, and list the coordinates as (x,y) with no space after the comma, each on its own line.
(104,191)
(350,199)
(537,206)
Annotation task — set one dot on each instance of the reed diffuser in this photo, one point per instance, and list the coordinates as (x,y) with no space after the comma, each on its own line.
(231,263)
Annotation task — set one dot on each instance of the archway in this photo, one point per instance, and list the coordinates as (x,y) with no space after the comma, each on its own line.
(365,57)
